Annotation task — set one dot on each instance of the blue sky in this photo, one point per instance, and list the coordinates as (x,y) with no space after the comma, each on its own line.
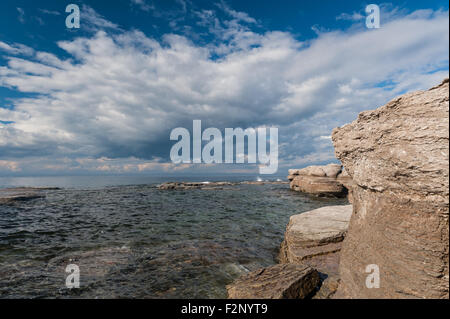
(103,99)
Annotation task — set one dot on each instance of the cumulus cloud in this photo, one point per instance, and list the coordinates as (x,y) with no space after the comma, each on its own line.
(120,94)
(16,48)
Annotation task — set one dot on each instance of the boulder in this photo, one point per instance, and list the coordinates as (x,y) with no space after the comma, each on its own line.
(293,172)
(315,237)
(398,157)
(318,186)
(319,180)
(283,281)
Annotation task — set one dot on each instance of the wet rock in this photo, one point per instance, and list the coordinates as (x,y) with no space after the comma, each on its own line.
(283,281)
(194,185)
(398,157)
(212,185)
(12,195)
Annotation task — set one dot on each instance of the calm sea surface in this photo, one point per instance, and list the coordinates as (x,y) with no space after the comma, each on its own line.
(132,240)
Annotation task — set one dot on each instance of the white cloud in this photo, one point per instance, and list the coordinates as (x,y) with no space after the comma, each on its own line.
(355,16)
(93,21)
(120,94)
(237,15)
(143,5)
(16,48)
(51,12)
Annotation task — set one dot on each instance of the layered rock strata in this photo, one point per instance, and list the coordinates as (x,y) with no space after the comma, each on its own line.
(398,158)
(314,238)
(329,180)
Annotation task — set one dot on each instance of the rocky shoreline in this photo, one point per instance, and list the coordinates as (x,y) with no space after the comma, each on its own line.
(396,176)
(20,194)
(212,185)
(311,245)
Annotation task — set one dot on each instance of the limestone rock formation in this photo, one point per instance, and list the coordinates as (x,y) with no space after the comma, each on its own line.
(283,281)
(398,158)
(319,180)
(315,237)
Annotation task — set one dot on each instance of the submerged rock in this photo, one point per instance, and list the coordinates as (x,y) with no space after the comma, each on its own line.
(212,185)
(12,195)
(283,281)
(194,185)
(398,157)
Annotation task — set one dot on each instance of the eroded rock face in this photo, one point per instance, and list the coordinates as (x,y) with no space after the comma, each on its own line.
(398,158)
(283,281)
(318,180)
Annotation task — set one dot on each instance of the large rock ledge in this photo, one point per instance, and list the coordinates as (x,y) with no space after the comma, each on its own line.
(398,157)
(314,238)
(329,180)
(315,234)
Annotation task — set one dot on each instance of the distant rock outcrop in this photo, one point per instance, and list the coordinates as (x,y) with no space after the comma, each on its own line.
(283,281)
(329,180)
(398,158)
(212,185)
(194,185)
(20,194)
